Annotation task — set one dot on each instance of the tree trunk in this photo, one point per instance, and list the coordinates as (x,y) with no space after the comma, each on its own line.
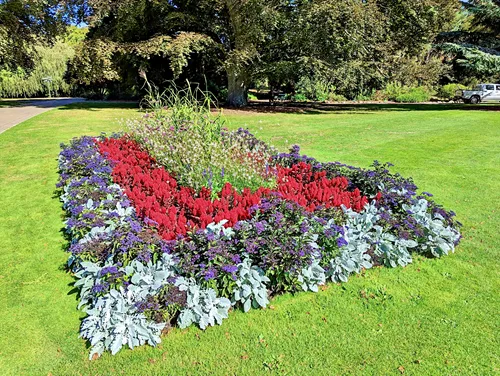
(236,87)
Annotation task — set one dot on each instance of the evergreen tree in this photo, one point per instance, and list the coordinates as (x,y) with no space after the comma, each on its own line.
(475,46)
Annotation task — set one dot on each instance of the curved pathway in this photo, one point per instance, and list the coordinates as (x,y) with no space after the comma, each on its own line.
(11,116)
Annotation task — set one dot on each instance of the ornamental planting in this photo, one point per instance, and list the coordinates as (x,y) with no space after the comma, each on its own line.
(159,242)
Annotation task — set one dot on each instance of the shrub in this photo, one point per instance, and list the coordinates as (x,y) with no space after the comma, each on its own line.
(405,94)
(299,97)
(448,91)
(314,88)
(414,95)
(379,95)
(334,97)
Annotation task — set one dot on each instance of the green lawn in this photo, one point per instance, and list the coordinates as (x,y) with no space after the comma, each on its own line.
(435,317)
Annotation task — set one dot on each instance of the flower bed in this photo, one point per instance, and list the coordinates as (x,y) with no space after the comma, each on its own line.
(149,252)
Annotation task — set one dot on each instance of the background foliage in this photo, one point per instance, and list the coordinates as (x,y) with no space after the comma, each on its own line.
(352,46)
(309,49)
(473,47)
(47,76)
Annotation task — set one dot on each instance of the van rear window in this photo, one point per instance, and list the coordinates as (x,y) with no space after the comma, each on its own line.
(490,87)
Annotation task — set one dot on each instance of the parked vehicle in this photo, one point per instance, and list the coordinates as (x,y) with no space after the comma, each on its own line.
(481,93)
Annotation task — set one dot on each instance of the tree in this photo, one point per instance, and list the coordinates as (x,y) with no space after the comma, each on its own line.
(47,76)
(250,21)
(26,23)
(475,47)
(355,45)
(139,31)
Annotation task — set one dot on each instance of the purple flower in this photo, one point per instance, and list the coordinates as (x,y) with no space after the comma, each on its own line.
(144,256)
(109,270)
(236,259)
(135,226)
(210,236)
(210,273)
(150,222)
(304,227)
(278,217)
(260,227)
(251,246)
(295,150)
(230,268)
(100,288)
(341,242)
(330,232)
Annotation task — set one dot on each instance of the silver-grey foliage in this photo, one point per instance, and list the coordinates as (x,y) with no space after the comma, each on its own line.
(148,279)
(88,276)
(392,250)
(438,238)
(251,288)
(312,277)
(357,232)
(203,307)
(113,322)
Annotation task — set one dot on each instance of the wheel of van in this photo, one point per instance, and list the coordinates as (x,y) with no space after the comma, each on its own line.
(475,100)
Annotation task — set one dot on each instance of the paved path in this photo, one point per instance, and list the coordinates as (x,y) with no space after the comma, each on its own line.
(11,116)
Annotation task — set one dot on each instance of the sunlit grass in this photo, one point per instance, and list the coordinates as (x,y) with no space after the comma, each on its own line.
(435,317)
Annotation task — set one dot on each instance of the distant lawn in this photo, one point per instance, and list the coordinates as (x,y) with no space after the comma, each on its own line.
(435,317)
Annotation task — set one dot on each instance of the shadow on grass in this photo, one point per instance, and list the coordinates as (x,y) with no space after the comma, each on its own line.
(68,104)
(99,105)
(322,108)
(11,103)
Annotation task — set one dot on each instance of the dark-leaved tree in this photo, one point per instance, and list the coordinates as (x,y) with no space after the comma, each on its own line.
(132,35)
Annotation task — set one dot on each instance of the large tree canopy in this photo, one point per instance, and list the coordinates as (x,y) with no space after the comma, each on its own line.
(26,23)
(355,45)
(359,45)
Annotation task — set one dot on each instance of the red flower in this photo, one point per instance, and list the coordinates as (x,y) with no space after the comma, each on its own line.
(155,193)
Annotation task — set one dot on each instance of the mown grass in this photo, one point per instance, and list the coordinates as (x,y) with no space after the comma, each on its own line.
(435,317)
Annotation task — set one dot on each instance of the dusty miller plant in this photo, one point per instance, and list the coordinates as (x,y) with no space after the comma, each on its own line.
(438,239)
(312,277)
(113,322)
(251,290)
(203,307)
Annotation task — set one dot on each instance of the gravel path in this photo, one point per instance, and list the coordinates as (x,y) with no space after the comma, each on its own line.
(11,116)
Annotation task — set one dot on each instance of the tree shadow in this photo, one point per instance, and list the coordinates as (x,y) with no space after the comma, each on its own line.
(322,108)
(47,103)
(67,104)
(100,105)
